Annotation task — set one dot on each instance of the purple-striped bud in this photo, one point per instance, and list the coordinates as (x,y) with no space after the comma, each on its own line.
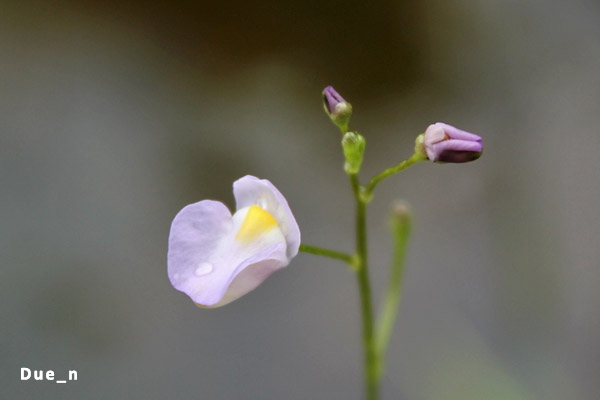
(338,109)
(444,143)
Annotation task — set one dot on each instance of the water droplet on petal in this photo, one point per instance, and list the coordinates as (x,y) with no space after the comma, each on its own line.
(203,269)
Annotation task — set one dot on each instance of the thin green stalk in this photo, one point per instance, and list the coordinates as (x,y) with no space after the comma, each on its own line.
(320,251)
(368,191)
(371,367)
(400,226)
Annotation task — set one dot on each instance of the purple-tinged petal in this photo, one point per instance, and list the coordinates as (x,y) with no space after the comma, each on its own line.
(195,235)
(331,99)
(338,109)
(455,133)
(457,151)
(252,272)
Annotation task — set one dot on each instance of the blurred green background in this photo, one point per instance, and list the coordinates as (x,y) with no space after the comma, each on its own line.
(115,115)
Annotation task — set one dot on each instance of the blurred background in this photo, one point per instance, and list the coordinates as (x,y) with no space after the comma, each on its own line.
(115,115)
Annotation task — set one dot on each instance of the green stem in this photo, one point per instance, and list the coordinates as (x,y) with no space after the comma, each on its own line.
(371,361)
(400,225)
(368,191)
(320,251)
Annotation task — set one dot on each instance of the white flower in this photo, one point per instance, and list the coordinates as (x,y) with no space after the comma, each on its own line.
(215,257)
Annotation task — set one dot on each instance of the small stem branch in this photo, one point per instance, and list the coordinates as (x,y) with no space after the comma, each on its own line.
(368,191)
(320,251)
(401,225)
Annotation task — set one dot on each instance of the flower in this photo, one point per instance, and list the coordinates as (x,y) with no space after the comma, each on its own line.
(338,109)
(444,143)
(215,257)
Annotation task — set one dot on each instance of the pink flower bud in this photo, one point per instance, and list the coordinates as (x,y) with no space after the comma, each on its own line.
(446,144)
(338,109)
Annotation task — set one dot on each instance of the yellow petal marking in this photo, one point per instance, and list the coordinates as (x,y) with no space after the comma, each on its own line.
(257,222)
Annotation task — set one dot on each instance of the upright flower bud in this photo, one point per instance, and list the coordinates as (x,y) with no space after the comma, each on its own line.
(401,215)
(443,143)
(400,225)
(353,144)
(338,109)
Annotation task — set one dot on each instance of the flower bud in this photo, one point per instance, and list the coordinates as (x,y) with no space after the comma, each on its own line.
(353,144)
(401,213)
(338,109)
(444,143)
(400,225)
